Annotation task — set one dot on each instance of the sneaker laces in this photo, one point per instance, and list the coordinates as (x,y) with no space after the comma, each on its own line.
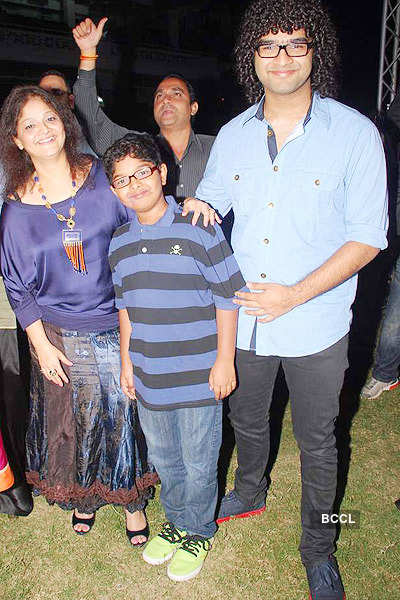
(372,383)
(170,533)
(231,495)
(194,543)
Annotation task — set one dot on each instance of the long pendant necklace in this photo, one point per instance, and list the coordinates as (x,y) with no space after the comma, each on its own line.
(72,239)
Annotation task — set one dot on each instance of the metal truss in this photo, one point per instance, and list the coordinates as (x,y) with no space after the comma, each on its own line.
(389,54)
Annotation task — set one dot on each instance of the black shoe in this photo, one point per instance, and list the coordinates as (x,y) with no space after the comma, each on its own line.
(233,508)
(81,521)
(16,501)
(397,504)
(325,582)
(145,532)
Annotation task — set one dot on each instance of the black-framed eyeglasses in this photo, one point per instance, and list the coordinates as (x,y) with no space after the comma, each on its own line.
(142,173)
(293,49)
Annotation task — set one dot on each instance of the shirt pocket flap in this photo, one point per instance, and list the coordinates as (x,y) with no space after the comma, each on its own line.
(324,182)
(244,183)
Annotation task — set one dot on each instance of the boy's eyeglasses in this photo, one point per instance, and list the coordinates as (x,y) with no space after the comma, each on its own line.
(125,180)
(292,49)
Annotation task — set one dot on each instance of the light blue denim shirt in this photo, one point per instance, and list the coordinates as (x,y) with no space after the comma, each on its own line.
(326,187)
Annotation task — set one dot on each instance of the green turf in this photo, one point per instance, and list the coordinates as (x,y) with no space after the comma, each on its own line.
(42,559)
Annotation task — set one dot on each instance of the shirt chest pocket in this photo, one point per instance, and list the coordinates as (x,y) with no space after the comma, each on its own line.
(319,209)
(245,185)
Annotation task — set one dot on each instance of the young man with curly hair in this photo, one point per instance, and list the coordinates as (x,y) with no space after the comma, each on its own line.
(308,191)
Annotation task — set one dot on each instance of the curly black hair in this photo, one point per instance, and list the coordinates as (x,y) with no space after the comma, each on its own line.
(136,145)
(264,16)
(17,164)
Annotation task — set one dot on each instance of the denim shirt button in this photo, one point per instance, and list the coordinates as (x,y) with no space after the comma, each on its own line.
(236,178)
(263,276)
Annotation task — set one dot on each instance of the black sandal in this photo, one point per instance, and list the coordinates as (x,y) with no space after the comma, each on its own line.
(81,521)
(145,532)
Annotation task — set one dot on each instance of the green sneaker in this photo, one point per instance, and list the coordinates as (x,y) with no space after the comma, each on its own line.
(164,545)
(189,558)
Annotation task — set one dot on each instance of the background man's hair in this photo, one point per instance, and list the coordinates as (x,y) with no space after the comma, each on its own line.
(136,145)
(271,16)
(190,88)
(58,74)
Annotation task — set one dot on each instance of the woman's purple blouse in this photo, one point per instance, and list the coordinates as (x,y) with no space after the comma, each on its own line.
(39,278)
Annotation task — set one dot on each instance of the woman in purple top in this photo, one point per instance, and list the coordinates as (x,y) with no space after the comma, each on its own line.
(85,448)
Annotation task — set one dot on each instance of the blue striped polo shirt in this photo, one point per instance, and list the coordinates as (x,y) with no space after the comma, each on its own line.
(171,276)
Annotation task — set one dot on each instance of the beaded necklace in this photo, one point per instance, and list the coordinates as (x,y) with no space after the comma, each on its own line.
(72,239)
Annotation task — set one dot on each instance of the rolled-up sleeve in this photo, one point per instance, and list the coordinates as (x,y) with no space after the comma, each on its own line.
(211,188)
(366,200)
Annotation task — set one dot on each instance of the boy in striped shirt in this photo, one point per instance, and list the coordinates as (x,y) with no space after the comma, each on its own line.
(174,285)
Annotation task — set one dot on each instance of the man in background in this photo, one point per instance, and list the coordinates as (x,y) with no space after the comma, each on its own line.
(56,83)
(174,107)
(385,370)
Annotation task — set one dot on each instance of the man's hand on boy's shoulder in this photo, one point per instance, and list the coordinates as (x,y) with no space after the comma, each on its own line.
(222,379)
(198,207)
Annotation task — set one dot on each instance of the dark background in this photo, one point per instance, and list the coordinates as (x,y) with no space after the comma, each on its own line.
(212,31)
(358,24)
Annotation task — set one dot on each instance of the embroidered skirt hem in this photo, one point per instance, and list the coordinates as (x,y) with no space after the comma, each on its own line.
(90,499)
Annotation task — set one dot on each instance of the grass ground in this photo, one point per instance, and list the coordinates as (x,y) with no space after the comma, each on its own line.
(41,558)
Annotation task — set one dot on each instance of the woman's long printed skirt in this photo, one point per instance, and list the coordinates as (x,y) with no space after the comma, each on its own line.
(85,447)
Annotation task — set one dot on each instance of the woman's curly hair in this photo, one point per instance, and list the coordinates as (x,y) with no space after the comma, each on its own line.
(264,16)
(17,164)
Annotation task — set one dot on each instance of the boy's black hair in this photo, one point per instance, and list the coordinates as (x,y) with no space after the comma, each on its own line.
(136,145)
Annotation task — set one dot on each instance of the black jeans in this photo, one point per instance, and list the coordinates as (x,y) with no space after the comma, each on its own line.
(314,384)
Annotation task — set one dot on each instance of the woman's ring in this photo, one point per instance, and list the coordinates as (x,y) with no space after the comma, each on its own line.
(52,372)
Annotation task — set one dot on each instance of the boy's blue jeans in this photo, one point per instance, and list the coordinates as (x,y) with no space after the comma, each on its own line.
(387,359)
(183,445)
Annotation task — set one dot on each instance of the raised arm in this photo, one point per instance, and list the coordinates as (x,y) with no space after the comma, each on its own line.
(102,132)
